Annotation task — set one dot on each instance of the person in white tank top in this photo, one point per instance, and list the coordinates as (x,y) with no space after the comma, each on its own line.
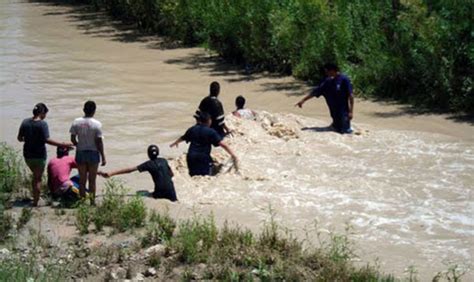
(241,112)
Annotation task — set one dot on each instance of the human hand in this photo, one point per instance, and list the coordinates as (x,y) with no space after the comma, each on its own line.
(351,115)
(103,174)
(104,162)
(299,104)
(174,144)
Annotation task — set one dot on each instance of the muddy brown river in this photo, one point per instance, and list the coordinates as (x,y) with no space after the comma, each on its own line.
(403,184)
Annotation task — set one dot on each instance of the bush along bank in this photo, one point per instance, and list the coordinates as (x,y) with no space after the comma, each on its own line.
(417,51)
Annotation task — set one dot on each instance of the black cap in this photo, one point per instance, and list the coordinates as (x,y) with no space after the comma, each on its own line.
(153,152)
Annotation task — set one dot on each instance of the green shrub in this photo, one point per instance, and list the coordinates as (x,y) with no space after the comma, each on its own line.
(132,214)
(195,239)
(159,229)
(12,172)
(26,214)
(6,223)
(83,218)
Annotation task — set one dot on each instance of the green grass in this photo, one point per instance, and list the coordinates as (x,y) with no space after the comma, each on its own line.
(115,211)
(12,173)
(159,229)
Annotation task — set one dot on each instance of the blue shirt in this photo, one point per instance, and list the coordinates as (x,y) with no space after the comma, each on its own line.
(201,138)
(336,91)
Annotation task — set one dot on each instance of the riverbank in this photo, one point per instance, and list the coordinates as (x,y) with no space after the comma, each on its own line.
(404,185)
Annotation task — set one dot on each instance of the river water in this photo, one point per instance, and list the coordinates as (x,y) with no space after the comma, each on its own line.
(403,183)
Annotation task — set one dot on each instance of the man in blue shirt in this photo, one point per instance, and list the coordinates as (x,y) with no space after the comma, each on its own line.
(202,138)
(337,90)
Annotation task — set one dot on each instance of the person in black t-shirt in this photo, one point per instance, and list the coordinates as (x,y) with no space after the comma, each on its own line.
(34,133)
(213,107)
(159,170)
(201,137)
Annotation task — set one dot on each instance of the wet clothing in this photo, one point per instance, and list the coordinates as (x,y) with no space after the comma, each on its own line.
(198,158)
(336,91)
(59,170)
(213,107)
(34,133)
(246,114)
(87,130)
(161,174)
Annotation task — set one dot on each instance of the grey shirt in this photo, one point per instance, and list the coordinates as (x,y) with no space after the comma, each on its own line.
(34,133)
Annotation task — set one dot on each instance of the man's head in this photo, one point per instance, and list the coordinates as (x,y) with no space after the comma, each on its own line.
(40,110)
(153,152)
(89,108)
(331,69)
(214,89)
(62,151)
(204,118)
(240,102)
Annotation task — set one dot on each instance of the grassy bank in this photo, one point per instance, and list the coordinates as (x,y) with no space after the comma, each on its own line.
(417,51)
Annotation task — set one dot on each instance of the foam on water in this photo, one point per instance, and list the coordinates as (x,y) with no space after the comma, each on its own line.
(395,188)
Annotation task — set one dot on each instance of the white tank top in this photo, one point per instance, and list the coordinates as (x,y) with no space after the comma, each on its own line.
(246,114)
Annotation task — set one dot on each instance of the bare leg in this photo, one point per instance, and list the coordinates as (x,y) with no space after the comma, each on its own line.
(92,178)
(82,168)
(36,184)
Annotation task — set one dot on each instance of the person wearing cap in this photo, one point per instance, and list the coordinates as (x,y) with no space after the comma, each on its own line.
(242,112)
(201,137)
(213,107)
(34,132)
(159,170)
(86,134)
(59,170)
(336,88)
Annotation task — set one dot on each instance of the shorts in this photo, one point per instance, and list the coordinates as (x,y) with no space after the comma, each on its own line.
(199,164)
(87,157)
(36,163)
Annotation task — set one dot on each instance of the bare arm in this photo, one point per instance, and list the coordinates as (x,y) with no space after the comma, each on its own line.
(58,144)
(74,139)
(119,171)
(351,107)
(306,98)
(228,150)
(176,143)
(100,146)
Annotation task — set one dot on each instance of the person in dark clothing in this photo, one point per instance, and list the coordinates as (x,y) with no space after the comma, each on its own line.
(159,170)
(213,107)
(34,132)
(337,90)
(202,138)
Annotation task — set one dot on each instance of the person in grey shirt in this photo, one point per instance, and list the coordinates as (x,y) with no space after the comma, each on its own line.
(34,132)
(86,134)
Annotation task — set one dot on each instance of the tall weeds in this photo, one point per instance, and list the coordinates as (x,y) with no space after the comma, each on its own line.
(418,51)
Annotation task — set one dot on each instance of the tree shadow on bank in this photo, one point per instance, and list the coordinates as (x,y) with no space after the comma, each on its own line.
(96,23)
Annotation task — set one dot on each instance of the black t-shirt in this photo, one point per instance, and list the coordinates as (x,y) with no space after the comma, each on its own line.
(213,107)
(34,133)
(201,138)
(160,172)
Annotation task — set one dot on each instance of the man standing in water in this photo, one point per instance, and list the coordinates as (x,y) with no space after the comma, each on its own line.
(86,134)
(35,133)
(199,153)
(337,90)
(213,107)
